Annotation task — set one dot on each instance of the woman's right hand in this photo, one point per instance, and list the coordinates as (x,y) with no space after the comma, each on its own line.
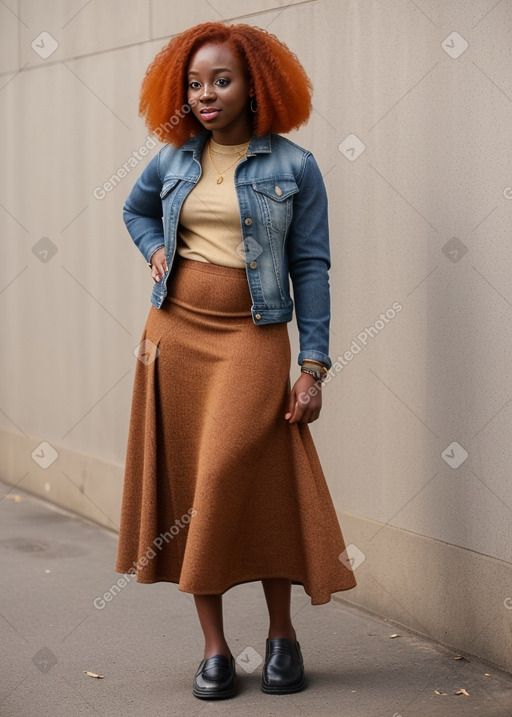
(158,264)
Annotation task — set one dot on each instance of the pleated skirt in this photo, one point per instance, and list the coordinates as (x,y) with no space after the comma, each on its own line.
(219,489)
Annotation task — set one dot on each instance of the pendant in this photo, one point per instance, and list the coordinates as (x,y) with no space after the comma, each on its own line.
(220,180)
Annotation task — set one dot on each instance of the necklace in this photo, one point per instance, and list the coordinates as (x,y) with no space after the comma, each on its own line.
(220,178)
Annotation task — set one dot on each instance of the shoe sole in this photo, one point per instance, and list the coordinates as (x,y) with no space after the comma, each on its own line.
(207,695)
(283,690)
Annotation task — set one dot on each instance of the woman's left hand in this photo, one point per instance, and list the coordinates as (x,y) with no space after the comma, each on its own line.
(305,400)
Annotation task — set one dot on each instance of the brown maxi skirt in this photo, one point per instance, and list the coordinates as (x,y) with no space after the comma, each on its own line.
(219,488)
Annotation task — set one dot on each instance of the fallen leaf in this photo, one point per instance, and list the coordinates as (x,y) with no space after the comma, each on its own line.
(487,674)
(461,657)
(462,692)
(440,693)
(93,674)
(14,496)
(395,634)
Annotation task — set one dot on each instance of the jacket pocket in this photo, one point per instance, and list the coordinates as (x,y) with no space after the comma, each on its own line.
(275,197)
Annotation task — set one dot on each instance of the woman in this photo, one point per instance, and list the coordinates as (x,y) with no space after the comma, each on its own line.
(223,484)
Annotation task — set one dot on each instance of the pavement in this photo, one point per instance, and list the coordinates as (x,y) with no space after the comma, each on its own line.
(60,618)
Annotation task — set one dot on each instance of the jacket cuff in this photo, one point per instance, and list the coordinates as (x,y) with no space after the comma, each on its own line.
(152,251)
(315,356)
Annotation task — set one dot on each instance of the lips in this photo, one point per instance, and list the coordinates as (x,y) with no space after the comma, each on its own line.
(210,113)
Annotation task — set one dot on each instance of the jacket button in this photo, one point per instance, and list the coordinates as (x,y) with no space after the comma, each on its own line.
(257,317)
(278,190)
(253,264)
(248,221)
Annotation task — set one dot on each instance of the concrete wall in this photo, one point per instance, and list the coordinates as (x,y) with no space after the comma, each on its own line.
(414,435)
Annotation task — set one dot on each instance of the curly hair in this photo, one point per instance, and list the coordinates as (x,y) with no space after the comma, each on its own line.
(282,88)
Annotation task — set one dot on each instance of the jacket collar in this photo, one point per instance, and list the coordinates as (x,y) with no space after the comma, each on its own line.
(257,145)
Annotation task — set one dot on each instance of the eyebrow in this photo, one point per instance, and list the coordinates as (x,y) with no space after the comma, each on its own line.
(215,69)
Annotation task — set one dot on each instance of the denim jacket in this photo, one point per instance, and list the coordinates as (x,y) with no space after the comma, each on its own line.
(284,223)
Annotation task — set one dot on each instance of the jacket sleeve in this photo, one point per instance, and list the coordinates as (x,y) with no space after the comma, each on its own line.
(142,211)
(309,262)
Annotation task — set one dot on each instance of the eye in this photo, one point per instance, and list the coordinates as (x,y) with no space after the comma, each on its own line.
(223,81)
(194,85)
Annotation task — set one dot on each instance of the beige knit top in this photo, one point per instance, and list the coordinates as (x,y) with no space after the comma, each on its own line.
(209,229)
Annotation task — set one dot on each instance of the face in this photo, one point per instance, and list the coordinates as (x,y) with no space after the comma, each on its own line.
(218,92)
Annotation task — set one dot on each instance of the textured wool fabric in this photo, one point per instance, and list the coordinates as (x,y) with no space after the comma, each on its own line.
(219,488)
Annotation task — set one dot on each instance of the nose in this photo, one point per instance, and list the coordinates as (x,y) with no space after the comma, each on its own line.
(208,92)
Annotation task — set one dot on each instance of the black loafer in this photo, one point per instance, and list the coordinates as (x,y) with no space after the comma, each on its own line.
(215,678)
(283,671)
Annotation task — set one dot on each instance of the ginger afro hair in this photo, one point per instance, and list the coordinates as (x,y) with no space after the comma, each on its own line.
(282,88)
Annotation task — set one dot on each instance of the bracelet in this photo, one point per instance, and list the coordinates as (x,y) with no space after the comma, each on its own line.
(312,372)
(319,363)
